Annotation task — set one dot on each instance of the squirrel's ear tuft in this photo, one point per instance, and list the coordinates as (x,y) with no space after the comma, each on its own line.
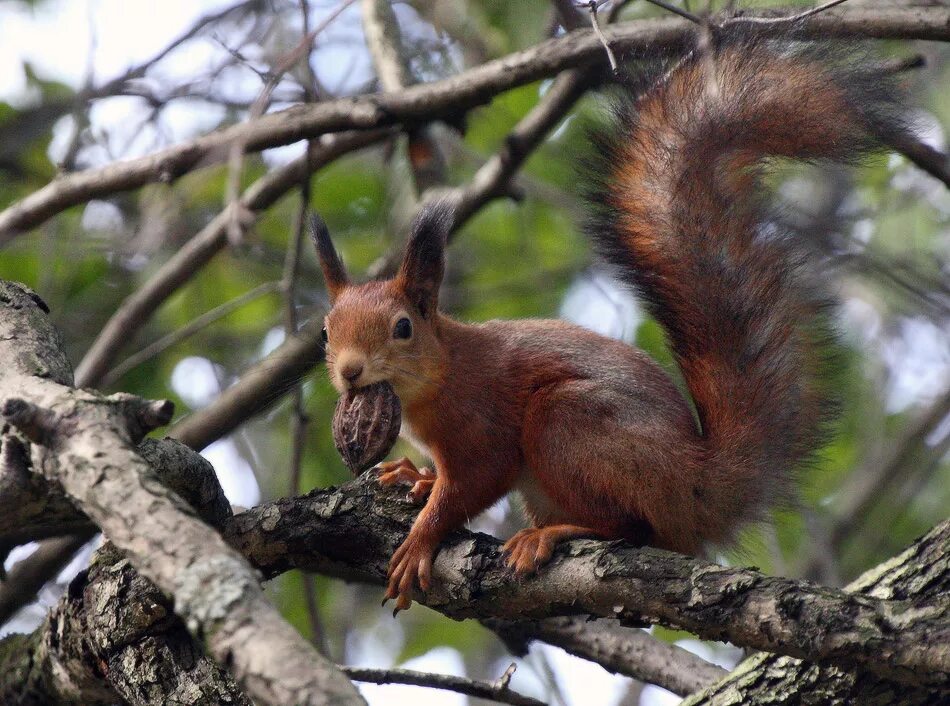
(333,272)
(420,274)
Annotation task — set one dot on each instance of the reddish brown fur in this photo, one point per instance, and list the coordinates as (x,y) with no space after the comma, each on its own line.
(592,432)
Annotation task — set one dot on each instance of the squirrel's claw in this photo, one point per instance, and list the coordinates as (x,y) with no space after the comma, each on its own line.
(411,564)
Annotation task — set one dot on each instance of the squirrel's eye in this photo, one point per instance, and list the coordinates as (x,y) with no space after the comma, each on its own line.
(403,328)
(325,335)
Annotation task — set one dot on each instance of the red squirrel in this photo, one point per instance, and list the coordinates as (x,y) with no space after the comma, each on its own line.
(595,436)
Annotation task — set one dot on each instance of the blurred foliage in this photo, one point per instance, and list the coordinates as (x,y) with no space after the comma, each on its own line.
(511,260)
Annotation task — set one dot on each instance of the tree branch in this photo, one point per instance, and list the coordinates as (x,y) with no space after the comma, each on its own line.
(112,637)
(28,576)
(425,103)
(495,691)
(86,443)
(921,573)
(351,531)
(628,651)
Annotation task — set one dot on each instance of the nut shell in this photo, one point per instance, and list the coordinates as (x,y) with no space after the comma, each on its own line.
(366,425)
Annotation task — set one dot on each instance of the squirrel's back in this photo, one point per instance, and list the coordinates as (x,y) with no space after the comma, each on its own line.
(678,209)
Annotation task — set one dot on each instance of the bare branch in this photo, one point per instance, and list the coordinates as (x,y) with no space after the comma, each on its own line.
(260,386)
(628,651)
(28,576)
(241,217)
(493,179)
(794,18)
(919,573)
(494,691)
(185,332)
(867,485)
(435,100)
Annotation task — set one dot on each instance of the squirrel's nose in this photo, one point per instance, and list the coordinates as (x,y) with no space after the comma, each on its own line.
(351,371)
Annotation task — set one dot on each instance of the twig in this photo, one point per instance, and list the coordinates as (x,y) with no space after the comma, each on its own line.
(930,159)
(259,387)
(298,415)
(595,24)
(870,484)
(289,286)
(629,651)
(430,101)
(787,20)
(497,690)
(686,14)
(186,331)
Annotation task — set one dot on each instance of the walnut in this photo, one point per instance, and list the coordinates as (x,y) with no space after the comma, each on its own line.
(366,424)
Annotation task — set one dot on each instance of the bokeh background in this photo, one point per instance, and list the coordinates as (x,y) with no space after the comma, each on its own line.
(884,229)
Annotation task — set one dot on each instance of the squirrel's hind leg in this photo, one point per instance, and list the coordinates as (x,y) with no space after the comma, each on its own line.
(531,548)
(599,457)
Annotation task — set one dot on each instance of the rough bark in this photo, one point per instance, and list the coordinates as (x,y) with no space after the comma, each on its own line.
(112,637)
(623,650)
(921,574)
(86,443)
(32,508)
(351,531)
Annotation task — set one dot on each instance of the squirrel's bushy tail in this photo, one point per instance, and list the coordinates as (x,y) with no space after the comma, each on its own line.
(678,208)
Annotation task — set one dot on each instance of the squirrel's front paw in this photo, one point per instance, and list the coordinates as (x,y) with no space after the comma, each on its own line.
(411,562)
(405,471)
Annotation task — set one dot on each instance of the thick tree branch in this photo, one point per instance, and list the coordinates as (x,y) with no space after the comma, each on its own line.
(38,509)
(624,650)
(351,531)
(112,637)
(921,574)
(440,99)
(86,443)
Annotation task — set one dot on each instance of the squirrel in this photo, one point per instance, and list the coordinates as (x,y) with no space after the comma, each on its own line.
(594,435)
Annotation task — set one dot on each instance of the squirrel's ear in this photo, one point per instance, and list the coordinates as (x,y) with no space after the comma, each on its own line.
(333,273)
(420,274)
